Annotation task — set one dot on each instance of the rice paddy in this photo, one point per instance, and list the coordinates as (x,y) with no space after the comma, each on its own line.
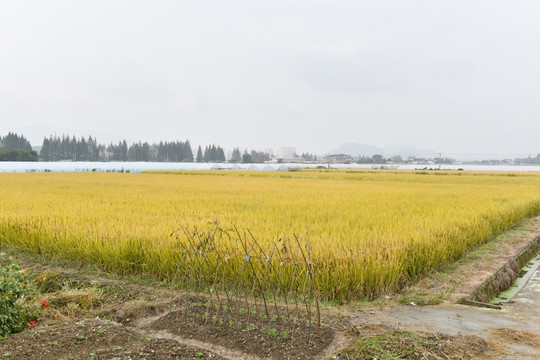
(369,232)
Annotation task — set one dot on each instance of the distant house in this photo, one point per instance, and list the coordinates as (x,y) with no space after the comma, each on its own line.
(287,159)
(337,159)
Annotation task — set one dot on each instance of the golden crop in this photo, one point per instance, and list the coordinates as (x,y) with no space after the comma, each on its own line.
(370,232)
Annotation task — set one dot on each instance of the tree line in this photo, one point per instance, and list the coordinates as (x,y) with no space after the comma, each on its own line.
(528,160)
(212,153)
(56,148)
(252,156)
(16,148)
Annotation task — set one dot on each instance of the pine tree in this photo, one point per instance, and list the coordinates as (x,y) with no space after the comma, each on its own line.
(206,155)
(45,152)
(124,151)
(246,158)
(200,157)
(236,157)
(220,154)
(12,141)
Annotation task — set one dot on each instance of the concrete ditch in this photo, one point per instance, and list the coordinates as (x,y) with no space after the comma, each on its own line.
(504,278)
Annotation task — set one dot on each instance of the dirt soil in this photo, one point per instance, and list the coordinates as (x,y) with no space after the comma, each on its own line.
(253,334)
(95,315)
(94,339)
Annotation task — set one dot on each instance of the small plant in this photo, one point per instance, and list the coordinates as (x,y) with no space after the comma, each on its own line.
(117,347)
(272,332)
(101,331)
(250,327)
(55,342)
(231,323)
(92,354)
(14,289)
(81,325)
(285,335)
(147,339)
(79,337)
(199,354)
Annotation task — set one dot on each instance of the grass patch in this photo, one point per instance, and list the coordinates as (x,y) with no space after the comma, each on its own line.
(399,344)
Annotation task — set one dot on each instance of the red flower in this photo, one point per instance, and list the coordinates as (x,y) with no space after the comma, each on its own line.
(44,303)
(32,322)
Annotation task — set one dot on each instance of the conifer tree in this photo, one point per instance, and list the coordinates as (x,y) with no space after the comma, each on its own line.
(200,157)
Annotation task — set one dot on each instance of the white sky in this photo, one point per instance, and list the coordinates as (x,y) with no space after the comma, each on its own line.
(459,76)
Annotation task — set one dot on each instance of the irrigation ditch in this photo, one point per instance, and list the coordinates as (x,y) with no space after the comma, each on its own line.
(499,288)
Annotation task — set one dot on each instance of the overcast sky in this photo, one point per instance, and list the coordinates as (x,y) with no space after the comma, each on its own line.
(451,76)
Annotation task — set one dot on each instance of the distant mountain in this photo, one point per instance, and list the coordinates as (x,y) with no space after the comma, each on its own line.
(355,149)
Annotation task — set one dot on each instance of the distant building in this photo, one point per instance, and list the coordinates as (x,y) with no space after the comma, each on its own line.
(269,152)
(287,159)
(286,151)
(286,154)
(337,159)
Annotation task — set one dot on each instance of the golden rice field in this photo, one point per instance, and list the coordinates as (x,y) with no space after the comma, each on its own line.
(370,231)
